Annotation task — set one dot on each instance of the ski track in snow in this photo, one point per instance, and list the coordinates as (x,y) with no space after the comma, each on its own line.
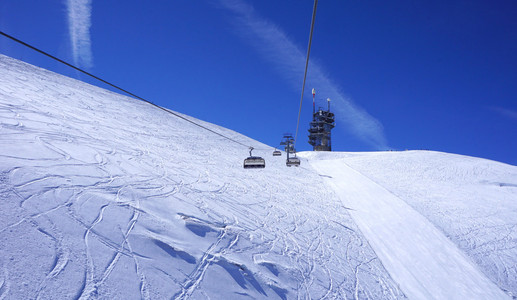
(111,200)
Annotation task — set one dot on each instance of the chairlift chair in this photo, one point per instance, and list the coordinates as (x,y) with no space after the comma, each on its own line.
(292,161)
(254,162)
(277,153)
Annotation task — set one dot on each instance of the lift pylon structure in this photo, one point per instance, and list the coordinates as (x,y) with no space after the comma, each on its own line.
(320,127)
(288,141)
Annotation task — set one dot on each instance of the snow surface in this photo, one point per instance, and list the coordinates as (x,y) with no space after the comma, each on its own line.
(418,256)
(103,196)
(472,201)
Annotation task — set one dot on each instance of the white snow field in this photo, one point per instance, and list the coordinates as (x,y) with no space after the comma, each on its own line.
(103,196)
(106,197)
(415,252)
(472,201)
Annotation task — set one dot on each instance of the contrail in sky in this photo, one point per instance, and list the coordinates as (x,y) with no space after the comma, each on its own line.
(79,23)
(274,44)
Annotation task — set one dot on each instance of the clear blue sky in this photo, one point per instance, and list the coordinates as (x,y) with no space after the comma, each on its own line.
(438,75)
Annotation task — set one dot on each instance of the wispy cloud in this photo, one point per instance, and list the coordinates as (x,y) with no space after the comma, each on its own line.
(276,46)
(511,114)
(79,23)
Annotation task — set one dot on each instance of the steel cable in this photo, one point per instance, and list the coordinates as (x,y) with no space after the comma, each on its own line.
(305,73)
(121,89)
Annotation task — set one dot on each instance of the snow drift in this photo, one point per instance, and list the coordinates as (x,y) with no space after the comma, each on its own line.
(103,196)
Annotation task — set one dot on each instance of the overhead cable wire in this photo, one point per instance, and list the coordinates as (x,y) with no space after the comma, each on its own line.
(305,73)
(120,89)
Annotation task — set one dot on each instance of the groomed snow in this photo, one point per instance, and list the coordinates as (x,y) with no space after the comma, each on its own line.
(472,201)
(103,196)
(425,263)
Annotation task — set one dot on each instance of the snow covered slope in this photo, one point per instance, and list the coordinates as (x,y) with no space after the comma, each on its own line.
(103,196)
(415,252)
(472,201)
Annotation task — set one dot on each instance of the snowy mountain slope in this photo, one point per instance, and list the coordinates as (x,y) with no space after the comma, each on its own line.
(418,255)
(102,196)
(472,201)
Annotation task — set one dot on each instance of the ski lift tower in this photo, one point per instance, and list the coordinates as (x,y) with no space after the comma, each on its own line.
(322,123)
(288,142)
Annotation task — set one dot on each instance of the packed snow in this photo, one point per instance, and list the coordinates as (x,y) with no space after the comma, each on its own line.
(103,196)
(472,201)
(404,240)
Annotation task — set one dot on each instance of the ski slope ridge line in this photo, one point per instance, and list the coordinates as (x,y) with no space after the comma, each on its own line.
(424,262)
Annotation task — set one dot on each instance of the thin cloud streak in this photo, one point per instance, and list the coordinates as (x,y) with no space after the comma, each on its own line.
(79,23)
(274,44)
(508,113)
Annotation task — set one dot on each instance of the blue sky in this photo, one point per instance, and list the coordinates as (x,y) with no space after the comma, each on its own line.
(438,75)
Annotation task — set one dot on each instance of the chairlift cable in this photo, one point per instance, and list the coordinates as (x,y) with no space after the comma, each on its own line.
(305,73)
(120,89)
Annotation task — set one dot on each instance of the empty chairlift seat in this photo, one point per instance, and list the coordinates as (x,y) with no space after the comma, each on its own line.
(254,162)
(277,153)
(292,161)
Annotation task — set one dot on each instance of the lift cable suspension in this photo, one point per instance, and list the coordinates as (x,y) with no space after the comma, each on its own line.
(120,89)
(305,73)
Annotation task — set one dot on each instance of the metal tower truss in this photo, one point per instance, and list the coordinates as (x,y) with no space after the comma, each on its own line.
(319,131)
